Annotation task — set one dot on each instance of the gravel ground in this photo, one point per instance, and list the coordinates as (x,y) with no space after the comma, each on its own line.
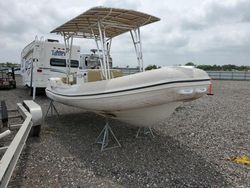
(189,150)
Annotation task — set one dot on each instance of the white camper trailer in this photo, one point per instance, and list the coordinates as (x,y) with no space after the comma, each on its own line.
(41,60)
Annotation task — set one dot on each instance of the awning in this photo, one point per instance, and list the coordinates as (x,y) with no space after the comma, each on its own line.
(115,21)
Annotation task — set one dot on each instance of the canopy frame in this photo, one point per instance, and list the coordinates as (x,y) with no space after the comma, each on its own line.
(68,43)
(136,38)
(102,24)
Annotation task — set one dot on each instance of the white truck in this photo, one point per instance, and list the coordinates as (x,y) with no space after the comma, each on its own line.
(43,59)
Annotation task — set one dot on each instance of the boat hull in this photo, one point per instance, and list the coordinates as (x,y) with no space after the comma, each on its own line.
(141,105)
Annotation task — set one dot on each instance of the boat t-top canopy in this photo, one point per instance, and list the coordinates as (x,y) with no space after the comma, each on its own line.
(115,20)
(102,24)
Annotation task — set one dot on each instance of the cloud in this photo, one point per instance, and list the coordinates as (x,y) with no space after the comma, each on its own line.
(200,31)
(216,25)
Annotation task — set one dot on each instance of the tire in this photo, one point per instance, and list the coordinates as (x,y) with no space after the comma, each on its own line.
(35,131)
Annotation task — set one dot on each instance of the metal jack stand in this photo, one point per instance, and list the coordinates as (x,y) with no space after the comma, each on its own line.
(145,131)
(51,108)
(104,138)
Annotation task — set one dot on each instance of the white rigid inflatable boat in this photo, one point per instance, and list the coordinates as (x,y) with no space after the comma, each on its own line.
(141,99)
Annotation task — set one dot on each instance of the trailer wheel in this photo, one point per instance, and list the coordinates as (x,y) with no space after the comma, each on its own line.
(35,131)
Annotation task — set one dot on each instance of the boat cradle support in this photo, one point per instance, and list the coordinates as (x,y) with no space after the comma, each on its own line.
(145,131)
(32,115)
(106,136)
(52,109)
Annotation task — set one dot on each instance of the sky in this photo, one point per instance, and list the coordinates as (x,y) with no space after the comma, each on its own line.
(202,32)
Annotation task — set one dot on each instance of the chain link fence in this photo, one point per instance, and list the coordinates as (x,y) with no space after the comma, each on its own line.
(229,75)
(217,75)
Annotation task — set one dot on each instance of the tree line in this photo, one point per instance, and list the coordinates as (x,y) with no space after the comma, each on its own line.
(9,65)
(228,67)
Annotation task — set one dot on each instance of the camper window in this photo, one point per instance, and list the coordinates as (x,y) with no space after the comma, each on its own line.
(62,63)
(74,63)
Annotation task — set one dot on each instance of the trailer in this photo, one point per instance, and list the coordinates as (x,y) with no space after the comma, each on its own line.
(43,59)
(31,115)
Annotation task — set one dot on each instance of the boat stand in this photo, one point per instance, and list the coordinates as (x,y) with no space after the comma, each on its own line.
(106,136)
(145,131)
(52,109)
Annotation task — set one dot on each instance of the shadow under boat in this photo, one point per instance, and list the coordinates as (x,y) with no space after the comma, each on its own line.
(163,161)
